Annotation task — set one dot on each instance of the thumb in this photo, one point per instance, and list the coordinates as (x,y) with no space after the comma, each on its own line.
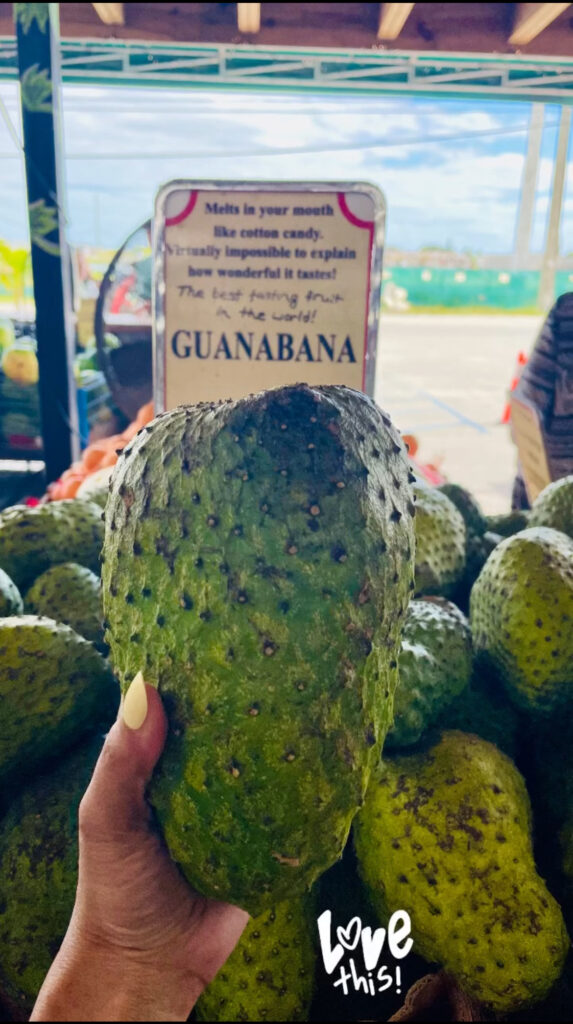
(114,803)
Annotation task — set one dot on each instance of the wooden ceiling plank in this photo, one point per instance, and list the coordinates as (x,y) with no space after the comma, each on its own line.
(531,19)
(249,18)
(393,17)
(110,14)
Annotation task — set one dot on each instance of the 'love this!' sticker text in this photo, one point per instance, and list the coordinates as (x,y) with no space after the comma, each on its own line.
(361,971)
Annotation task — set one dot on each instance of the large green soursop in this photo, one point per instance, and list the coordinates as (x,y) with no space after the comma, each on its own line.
(10,598)
(440,543)
(270,974)
(554,506)
(257,565)
(39,858)
(54,687)
(69,593)
(434,666)
(33,539)
(445,835)
(467,506)
(522,617)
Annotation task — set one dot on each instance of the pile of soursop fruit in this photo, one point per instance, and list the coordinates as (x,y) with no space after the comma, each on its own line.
(370,688)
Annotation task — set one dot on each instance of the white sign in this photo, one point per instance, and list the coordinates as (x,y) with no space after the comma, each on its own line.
(258,285)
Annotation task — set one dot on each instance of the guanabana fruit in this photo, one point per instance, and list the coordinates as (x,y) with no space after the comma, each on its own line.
(39,857)
(508,524)
(483,709)
(54,687)
(33,539)
(554,507)
(445,836)
(521,612)
(71,594)
(434,665)
(440,543)
(257,564)
(10,598)
(96,486)
(270,974)
(468,507)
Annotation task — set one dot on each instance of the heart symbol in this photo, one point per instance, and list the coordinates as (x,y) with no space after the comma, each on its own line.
(372,946)
(349,936)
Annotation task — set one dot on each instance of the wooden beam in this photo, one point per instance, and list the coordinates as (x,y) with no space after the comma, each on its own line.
(392,20)
(110,14)
(249,18)
(531,19)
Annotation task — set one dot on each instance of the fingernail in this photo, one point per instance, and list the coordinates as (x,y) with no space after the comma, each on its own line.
(135,703)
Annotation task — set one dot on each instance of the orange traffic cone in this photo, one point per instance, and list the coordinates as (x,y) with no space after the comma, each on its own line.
(521,361)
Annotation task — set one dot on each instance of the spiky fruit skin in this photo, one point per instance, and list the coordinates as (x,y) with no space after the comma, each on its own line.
(468,508)
(39,857)
(508,524)
(10,598)
(257,564)
(54,687)
(33,539)
(440,543)
(96,487)
(71,594)
(554,507)
(434,666)
(270,974)
(445,835)
(521,610)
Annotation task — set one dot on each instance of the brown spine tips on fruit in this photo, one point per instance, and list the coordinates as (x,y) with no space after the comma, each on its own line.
(290,756)
(242,597)
(340,484)
(254,710)
(235,769)
(290,862)
(291,549)
(314,510)
(339,554)
(212,521)
(283,426)
(245,477)
(269,648)
(311,447)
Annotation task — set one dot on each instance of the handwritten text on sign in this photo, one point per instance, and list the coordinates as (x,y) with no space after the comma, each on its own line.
(264,288)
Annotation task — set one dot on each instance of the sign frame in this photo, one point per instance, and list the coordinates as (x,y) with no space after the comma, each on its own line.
(374,287)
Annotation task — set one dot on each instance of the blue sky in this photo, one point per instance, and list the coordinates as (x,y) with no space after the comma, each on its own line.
(450,170)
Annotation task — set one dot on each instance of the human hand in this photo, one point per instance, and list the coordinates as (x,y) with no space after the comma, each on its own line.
(141,944)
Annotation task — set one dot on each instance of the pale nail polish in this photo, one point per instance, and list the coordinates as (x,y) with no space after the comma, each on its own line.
(135,704)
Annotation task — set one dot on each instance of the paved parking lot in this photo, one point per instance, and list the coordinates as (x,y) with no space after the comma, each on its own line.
(444,379)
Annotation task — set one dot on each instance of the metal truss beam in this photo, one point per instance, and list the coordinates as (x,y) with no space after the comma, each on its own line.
(267,68)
